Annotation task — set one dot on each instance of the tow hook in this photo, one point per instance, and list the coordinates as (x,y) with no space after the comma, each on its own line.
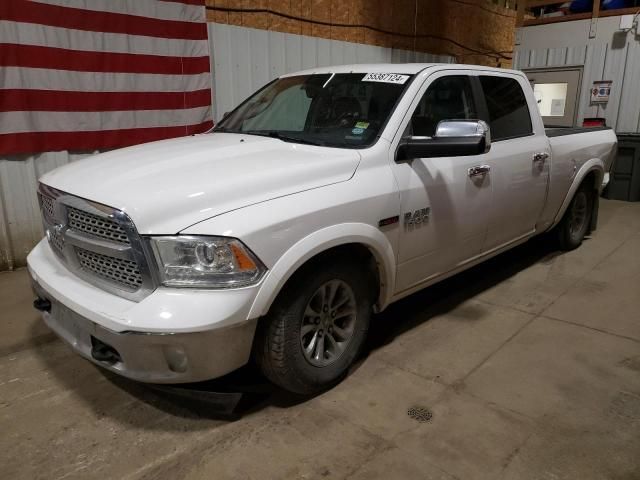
(42,304)
(102,352)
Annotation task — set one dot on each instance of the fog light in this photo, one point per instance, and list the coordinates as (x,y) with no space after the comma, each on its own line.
(176,358)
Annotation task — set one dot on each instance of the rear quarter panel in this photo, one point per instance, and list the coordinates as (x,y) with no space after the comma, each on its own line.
(573,157)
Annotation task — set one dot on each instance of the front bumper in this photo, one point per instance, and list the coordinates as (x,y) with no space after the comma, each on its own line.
(192,340)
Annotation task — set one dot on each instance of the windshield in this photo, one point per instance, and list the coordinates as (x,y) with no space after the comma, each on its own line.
(345,110)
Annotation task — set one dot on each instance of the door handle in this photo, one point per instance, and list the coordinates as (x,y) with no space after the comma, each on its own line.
(479,170)
(540,157)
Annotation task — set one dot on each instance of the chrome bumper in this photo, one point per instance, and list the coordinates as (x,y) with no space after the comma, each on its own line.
(152,357)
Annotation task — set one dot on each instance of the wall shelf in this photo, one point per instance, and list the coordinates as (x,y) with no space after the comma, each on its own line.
(580,16)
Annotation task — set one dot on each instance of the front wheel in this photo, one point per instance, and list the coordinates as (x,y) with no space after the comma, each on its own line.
(575,223)
(316,329)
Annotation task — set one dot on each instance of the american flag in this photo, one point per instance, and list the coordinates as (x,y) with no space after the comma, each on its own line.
(101,74)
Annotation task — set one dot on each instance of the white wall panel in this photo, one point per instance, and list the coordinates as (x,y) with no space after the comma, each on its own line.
(557,57)
(629,112)
(576,55)
(20,227)
(611,55)
(593,70)
(243,60)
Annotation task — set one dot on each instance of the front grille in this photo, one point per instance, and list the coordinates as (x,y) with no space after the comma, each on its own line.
(56,240)
(76,229)
(118,270)
(91,224)
(48,207)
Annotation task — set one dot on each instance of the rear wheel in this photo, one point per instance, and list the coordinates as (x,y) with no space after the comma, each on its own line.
(575,224)
(316,329)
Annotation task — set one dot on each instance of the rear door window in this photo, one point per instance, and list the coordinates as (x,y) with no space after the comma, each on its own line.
(507,107)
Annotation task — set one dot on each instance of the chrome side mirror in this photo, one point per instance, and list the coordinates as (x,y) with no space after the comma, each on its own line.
(453,138)
(465,128)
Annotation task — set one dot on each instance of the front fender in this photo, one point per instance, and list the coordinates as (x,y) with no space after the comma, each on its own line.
(318,242)
(593,165)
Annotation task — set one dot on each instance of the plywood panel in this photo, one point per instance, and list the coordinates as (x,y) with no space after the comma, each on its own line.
(321,10)
(305,12)
(256,20)
(340,16)
(235,18)
(438,26)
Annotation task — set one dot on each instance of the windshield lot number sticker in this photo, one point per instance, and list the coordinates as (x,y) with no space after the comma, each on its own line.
(385,78)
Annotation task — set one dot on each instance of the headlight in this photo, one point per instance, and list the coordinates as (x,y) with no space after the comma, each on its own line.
(207,262)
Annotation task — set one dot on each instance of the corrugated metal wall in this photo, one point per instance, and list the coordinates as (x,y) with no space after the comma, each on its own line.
(20,227)
(612,56)
(243,59)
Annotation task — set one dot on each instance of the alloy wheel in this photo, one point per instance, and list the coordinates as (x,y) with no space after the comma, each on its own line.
(328,323)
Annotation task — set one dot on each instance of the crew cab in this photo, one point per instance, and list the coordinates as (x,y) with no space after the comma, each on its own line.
(324,197)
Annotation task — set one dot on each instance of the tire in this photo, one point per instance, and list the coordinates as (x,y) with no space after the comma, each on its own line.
(333,331)
(575,223)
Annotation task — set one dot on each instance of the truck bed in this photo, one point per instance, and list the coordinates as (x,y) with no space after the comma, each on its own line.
(562,131)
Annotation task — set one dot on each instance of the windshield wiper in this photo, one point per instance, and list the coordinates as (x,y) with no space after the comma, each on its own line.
(223,130)
(284,138)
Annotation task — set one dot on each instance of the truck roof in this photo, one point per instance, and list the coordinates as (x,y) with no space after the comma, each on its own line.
(406,68)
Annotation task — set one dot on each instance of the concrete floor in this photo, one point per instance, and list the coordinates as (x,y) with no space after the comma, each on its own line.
(529,363)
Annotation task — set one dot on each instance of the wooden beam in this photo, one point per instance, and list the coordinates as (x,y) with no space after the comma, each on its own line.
(596,10)
(542,3)
(564,18)
(581,16)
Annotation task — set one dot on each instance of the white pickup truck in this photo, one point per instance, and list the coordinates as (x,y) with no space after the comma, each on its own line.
(327,195)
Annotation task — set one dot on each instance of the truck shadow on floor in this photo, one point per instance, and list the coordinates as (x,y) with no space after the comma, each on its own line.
(448,294)
(244,392)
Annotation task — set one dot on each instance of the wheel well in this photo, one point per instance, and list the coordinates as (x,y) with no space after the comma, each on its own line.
(349,252)
(590,179)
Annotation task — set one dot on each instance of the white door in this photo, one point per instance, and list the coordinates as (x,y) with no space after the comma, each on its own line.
(444,210)
(519,161)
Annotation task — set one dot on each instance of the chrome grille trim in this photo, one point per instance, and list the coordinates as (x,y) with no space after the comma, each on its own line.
(98,243)
(95,225)
(48,206)
(56,240)
(117,270)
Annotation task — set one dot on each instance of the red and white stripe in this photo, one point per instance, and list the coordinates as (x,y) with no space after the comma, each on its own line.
(99,74)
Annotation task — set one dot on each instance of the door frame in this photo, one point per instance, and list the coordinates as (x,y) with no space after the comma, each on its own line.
(548,121)
(421,90)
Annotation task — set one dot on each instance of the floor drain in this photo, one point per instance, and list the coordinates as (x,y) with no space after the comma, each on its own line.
(420,414)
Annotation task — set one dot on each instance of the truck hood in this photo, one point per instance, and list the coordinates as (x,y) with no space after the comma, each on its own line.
(169,185)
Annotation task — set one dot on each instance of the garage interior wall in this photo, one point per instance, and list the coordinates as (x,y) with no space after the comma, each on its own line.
(463,29)
(243,59)
(611,55)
